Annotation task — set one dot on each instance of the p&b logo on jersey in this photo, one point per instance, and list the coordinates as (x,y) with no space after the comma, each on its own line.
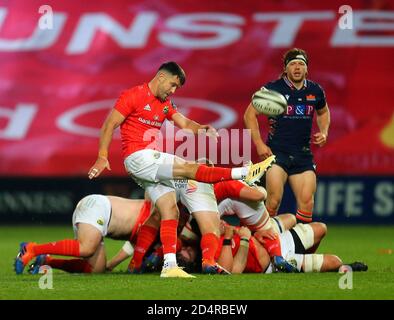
(300,110)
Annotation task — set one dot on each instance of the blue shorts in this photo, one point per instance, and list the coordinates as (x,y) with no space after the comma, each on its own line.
(295,163)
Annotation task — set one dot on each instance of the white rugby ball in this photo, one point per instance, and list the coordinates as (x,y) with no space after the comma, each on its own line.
(269,102)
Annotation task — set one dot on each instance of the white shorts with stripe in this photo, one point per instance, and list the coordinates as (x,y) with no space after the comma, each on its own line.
(197,196)
(95,210)
(143,167)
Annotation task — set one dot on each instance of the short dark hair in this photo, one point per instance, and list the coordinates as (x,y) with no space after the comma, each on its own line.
(174,69)
(292,54)
(189,266)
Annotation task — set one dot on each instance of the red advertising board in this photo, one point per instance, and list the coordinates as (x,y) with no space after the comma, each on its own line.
(61,73)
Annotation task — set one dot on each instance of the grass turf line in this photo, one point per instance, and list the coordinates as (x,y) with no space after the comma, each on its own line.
(351,243)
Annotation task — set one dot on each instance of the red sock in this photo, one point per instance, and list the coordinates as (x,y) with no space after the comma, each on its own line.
(65,247)
(209,244)
(168,235)
(212,174)
(70,265)
(303,216)
(273,247)
(159,250)
(145,238)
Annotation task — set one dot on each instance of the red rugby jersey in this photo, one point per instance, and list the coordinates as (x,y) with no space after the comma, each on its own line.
(143,111)
(252,262)
(228,189)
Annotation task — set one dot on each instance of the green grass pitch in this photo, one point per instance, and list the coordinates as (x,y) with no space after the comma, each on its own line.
(370,244)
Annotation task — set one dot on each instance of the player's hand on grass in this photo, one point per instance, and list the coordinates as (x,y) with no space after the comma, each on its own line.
(98,167)
(320,139)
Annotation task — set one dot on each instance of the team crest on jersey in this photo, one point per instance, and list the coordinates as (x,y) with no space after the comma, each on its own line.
(310,97)
(165,109)
(100,221)
(156,155)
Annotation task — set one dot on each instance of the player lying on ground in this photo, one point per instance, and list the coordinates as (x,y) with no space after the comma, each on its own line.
(247,203)
(92,221)
(95,217)
(188,245)
(242,253)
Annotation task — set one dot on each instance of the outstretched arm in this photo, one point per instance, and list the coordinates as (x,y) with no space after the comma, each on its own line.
(114,120)
(125,252)
(185,123)
(251,122)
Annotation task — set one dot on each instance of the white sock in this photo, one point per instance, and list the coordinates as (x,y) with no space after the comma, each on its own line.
(169,260)
(239,173)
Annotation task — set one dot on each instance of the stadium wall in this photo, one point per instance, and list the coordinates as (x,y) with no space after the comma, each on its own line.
(348,200)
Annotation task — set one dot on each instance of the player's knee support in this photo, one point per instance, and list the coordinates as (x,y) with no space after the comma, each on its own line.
(128,248)
(313,262)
